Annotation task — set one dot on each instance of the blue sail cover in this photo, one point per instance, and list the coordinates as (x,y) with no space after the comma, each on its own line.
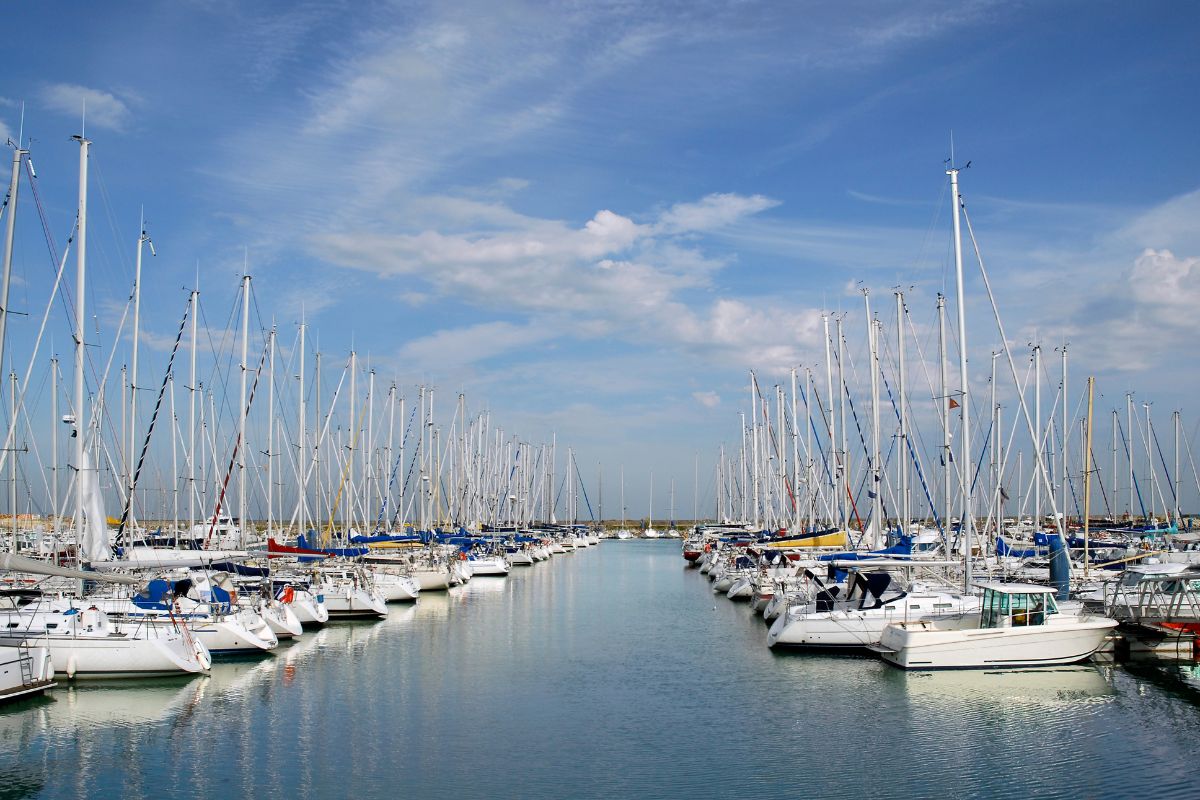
(347,552)
(386,537)
(153,597)
(1003,548)
(901,548)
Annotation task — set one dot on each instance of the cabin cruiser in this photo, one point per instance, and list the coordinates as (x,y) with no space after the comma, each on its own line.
(1017,625)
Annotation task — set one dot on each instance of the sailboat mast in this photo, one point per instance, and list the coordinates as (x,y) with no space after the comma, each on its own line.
(754,440)
(1129,446)
(54,520)
(944,406)
(242,505)
(80,323)
(965,445)
(1064,481)
(1175,488)
(302,435)
(143,238)
(844,479)
(903,432)
(1038,436)
(191,482)
(1087,478)
(875,489)
(10,234)
(271,432)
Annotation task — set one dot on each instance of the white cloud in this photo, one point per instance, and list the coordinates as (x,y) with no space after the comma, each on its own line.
(713,212)
(102,109)
(707,399)
(1167,285)
(462,346)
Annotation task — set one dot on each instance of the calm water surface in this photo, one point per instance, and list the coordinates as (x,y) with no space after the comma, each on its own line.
(613,672)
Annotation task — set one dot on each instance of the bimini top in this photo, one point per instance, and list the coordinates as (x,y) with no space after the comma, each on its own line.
(1016,588)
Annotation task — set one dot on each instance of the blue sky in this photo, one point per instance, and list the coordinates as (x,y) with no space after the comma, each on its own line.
(596,217)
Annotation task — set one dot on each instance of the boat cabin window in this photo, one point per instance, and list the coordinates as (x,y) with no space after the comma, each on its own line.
(1001,609)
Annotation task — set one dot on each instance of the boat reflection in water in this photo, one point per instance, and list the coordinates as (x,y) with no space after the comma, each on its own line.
(1041,686)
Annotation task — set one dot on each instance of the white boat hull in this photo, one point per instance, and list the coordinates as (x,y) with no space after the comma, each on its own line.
(24,671)
(930,645)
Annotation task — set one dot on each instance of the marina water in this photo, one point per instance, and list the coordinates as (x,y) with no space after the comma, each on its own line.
(613,672)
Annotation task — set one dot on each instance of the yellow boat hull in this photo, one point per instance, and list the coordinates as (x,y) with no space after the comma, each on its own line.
(835,539)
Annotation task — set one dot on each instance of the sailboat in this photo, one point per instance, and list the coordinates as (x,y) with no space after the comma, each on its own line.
(650,533)
(81,639)
(673,532)
(623,531)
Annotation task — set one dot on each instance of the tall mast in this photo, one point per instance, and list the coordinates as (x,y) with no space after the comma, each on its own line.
(810,463)
(242,505)
(174,463)
(650,519)
(385,523)
(944,408)
(302,501)
(875,489)
(1150,471)
(54,517)
(348,516)
(1038,435)
(622,473)
(80,328)
(1114,457)
(12,462)
(844,480)
(965,405)
(422,487)
(143,239)
(1064,482)
(795,458)
(993,440)
(1129,447)
(1175,487)
(1087,478)
(10,233)
(271,431)
(902,467)
(191,482)
(754,440)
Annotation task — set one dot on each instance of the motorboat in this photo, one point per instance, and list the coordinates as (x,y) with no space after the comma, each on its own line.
(1017,625)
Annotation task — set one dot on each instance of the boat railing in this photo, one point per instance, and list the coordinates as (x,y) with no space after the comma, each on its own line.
(1154,598)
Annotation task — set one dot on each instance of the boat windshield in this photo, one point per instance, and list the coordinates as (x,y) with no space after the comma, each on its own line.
(1001,609)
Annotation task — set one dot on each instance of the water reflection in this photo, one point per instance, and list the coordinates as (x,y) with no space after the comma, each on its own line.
(1045,686)
(609,673)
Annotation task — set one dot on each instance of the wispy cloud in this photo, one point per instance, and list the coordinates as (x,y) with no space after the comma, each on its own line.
(102,109)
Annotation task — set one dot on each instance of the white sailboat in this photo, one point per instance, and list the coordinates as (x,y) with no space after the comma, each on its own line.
(623,531)
(650,533)
(24,670)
